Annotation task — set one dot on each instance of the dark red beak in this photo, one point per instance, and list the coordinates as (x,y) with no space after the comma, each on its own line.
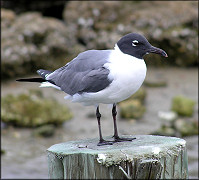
(156,50)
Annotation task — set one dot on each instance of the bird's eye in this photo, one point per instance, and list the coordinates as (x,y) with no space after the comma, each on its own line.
(135,43)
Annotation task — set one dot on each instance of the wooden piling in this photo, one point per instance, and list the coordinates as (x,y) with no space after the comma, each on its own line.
(146,157)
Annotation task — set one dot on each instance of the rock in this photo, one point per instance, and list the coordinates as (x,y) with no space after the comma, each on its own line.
(139,95)
(7,18)
(183,106)
(180,128)
(167,116)
(30,42)
(165,131)
(170,25)
(171,125)
(186,127)
(131,109)
(52,8)
(167,128)
(95,28)
(32,110)
(44,131)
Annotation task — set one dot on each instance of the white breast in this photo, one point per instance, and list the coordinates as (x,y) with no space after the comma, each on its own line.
(127,74)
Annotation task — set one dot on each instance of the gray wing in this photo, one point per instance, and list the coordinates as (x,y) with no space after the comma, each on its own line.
(85,73)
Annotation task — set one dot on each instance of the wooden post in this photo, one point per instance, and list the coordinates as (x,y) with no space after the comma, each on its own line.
(146,157)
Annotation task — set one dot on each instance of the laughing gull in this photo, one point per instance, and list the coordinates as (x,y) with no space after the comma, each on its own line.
(103,76)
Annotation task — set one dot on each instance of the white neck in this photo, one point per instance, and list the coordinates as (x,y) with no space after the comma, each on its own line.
(116,48)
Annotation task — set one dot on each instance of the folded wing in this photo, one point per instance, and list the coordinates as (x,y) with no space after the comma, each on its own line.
(85,73)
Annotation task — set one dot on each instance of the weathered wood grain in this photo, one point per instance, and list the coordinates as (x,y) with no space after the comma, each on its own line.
(146,157)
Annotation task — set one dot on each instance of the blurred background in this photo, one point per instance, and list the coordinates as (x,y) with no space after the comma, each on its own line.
(40,34)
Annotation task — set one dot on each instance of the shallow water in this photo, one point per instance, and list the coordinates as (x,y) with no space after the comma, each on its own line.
(25,155)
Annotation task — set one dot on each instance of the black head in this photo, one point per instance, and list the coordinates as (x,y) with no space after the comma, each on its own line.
(137,45)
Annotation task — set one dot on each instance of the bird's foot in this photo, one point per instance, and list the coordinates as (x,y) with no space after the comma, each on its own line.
(104,142)
(118,139)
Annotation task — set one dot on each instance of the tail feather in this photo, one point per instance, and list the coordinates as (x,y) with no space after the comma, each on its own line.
(42,80)
(32,80)
(49,84)
(43,73)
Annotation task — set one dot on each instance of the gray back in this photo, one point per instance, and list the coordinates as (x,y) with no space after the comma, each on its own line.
(85,73)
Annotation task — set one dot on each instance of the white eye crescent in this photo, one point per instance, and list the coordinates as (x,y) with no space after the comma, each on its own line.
(135,43)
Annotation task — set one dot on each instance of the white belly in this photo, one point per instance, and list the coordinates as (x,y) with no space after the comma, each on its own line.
(127,73)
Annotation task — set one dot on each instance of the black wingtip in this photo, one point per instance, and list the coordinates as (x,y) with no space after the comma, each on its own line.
(31,80)
(20,80)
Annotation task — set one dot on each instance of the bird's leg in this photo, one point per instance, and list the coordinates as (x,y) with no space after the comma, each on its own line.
(114,113)
(101,141)
(115,136)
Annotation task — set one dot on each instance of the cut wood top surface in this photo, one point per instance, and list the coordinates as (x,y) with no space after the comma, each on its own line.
(142,146)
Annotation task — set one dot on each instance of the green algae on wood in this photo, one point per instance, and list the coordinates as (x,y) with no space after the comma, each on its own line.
(146,157)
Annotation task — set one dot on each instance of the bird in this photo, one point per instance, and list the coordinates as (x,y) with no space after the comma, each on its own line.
(97,77)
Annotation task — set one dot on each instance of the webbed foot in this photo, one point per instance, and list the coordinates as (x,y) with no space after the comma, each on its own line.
(104,142)
(118,139)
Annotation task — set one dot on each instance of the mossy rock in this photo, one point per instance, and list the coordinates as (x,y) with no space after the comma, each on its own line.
(32,110)
(183,106)
(186,127)
(131,109)
(139,95)
(165,131)
(181,128)
(44,131)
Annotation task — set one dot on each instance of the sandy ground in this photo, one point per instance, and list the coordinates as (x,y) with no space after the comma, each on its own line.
(26,155)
